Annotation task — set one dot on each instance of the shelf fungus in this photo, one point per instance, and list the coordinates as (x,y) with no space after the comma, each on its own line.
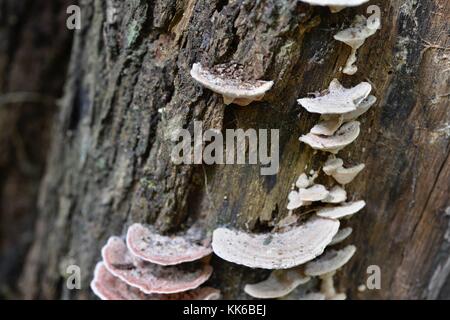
(341,235)
(326,266)
(279,284)
(280,250)
(306,191)
(333,144)
(108,287)
(231,82)
(337,194)
(335,167)
(336,5)
(344,210)
(147,244)
(354,36)
(337,100)
(149,277)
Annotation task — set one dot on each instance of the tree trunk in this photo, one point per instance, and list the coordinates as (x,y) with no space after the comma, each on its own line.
(109,163)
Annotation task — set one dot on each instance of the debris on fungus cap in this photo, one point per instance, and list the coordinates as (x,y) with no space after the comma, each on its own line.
(336,5)
(341,211)
(147,244)
(328,127)
(281,250)
(108,287)
(354,37)
(335,167)
(149,277)
(337,99)
(230,81)
(337,194)
(326,266)
(279,284)
(333,144)
(361,108)
(341,235)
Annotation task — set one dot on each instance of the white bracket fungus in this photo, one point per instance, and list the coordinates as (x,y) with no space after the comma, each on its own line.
(327,127)
(333,144)
(335,167)
(354,37)
(146,244)
(326,266)
(281,250)
(341,235)
(336,5)
(297,199)
(149,277)
(229,80)
(337,194)
(279,284)
(344,210)
(108,287)
(337,99)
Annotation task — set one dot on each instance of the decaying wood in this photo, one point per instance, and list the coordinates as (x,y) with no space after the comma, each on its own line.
(110,162)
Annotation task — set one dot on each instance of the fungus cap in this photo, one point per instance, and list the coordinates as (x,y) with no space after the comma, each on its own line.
(331,261)
(149,277)
(147,244)
(346,175)
(344,210)
(337,194)
(354,36)
(281,250)
(108,287)
(336,5)
(278,284)
(361,108)
(316,192)
(342,138)
(341,235)
(328,127)
(337,99)
(295,201)
(228,81)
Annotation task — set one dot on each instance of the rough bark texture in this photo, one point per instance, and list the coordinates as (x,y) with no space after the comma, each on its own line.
(32,71)
(110,164)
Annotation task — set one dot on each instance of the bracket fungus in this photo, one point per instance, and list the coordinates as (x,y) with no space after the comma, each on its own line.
(337,99)
(149,277)
(327,127)
(281,250)
(341,235)
(108,287)
(335,167)
(146,244)
(278,284)
(337,194)
(361,108)
(333,144)
(344,210)
(297,199)
(336,5)
(354,36)
(230,81)
(326,266)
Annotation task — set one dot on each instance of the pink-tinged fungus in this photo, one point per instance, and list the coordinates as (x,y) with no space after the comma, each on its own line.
(231,81)
(333,144)
(279,284)
(149,277)
(337,99)
(147,244)
(326,266)
(354,36)
(108,287)
(280,250)
(344,210)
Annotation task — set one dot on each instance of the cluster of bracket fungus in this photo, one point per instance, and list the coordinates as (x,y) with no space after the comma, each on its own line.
(151,266)
(231,81)
(354,37)
(336,5)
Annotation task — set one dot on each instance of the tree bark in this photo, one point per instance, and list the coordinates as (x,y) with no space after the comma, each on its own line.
(33,60)
(110,165)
